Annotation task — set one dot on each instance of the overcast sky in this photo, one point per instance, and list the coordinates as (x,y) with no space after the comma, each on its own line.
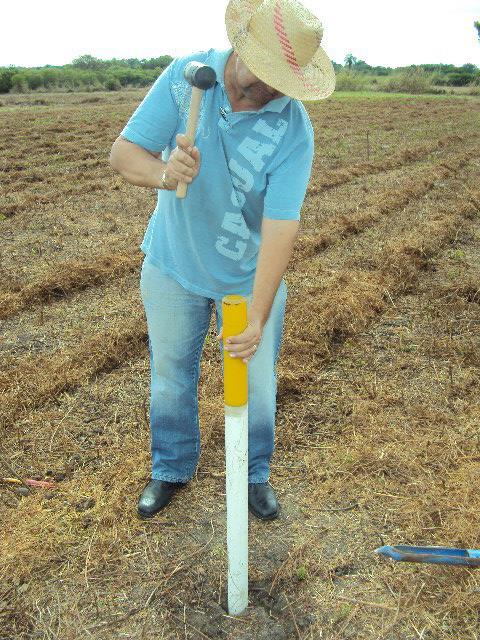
(380,32)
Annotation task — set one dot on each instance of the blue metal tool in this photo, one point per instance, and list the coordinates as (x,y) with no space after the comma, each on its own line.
(432,555)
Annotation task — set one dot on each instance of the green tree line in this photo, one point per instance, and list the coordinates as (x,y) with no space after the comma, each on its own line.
(85,73)
(440,74)
(88,73)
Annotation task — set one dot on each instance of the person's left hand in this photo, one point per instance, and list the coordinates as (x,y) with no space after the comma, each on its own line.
(245,344)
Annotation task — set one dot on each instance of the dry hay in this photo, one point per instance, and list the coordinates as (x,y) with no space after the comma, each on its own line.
(377,419)
(63,279)
(335,178)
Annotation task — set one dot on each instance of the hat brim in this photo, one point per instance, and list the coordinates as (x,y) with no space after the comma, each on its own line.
(316,80)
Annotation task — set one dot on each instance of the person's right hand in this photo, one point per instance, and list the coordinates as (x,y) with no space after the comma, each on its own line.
(183,164)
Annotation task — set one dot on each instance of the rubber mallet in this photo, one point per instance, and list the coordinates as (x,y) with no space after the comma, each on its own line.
(201,77)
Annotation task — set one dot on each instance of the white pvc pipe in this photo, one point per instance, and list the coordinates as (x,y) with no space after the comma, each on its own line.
(236,460)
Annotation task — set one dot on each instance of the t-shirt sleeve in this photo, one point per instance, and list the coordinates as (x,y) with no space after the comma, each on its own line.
(154,121)
(287,184)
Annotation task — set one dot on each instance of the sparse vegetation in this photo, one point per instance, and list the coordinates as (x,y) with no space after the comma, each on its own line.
(377,404)
(414,81)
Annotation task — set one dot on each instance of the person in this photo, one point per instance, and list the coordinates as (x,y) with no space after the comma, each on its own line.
(247,174)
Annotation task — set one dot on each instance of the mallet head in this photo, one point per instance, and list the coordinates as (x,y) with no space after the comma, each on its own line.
(199,75)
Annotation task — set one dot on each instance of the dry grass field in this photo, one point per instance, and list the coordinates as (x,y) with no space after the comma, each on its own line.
(378,418)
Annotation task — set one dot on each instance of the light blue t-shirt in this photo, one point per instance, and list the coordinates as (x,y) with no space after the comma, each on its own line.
(253,164)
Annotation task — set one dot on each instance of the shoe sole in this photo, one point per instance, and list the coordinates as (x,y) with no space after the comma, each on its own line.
(260,517)
(149,514)
(145,516)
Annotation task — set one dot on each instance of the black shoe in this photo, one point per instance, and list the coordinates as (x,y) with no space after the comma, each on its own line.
(262,501)
(155,496)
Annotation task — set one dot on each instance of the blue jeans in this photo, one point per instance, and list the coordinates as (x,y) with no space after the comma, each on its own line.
(178,321)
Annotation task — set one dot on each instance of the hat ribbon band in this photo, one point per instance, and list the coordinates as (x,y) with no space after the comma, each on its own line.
(287,48)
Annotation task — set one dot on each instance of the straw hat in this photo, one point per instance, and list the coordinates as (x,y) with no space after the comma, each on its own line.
(279,41)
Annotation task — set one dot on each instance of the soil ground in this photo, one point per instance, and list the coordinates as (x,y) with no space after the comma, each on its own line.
(378,409)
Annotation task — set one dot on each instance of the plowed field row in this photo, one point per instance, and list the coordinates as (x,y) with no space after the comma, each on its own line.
(24,189)
(330,179)
(341,308)
(349,285)
(329,220)
(65,278)
(48,146)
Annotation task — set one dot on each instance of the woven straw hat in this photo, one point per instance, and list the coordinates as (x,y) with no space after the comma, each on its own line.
(279,41)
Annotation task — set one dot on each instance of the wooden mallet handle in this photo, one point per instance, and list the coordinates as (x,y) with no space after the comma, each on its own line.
(191,130)
(201,77)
